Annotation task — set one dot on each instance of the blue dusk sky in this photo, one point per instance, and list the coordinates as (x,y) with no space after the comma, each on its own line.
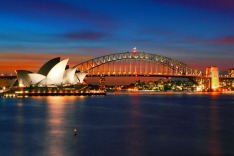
(197,32)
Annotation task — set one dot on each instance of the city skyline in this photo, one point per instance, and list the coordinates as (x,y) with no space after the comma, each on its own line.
(199,33)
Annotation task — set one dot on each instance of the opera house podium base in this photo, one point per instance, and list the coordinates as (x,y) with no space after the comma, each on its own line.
(25,93)
(60,94)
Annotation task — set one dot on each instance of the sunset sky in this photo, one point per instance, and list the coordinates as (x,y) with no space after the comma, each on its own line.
(197,32)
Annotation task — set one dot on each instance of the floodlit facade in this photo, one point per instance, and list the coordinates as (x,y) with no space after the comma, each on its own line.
(213,72)
(36,78)
(45,69)
(69,74)
(52,73)
(231,72)
(56,73)
(79,77)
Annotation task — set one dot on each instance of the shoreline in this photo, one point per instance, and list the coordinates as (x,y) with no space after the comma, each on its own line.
(169,92)
(49,94)
(106,93)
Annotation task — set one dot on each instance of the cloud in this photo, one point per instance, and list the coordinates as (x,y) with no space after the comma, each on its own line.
(95,51)
(53,39)
(142,41)
(149,34)
(68,10)
(200,40)
(85,35)
(224,40)
(11,61)
(203,62)
(213,5)
(155,31)
(57,9)
(220,40)
(41,57)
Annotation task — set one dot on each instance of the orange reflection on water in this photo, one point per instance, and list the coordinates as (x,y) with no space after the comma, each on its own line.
(20,116)
(135,107)
(19,128)
(55,106)
(135,123)
(57,123)
(19,104)
(214,95)
(215,148)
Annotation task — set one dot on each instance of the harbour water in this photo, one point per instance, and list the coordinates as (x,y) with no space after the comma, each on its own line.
(118,125)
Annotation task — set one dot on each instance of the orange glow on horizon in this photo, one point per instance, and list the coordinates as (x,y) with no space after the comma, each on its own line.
(12,61)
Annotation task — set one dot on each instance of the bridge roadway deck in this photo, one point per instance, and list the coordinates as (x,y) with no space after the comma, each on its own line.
(146,75)
(139,75)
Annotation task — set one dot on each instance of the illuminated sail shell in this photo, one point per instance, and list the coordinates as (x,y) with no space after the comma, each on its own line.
(79,77)
(45,69)
(57,72)
(68,77)
(36,78)
(23,78)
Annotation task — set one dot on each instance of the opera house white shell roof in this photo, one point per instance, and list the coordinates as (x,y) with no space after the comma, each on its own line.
(69,74)
(56,73)
(53,72)
(23,77)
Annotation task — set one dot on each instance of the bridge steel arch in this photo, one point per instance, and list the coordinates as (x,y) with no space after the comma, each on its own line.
(175,65)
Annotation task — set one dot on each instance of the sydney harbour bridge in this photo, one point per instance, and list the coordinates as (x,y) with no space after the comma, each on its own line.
(137,64)
(142,64)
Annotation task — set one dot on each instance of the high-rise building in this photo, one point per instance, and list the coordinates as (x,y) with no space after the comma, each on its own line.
(231,72)
(213,72)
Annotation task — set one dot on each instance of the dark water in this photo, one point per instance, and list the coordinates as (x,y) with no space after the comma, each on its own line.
(118,125)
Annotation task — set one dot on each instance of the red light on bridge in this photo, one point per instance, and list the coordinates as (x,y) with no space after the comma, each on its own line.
(136,75)
(134,50)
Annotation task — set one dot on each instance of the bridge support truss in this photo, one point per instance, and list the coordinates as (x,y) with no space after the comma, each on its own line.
(138,64)
(141,63)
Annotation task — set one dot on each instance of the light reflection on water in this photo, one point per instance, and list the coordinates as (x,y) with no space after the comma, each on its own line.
(214,124)
(133,124)
(55,123)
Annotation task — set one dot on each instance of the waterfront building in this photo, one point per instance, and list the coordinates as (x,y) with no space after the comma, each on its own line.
(212,72)
(231,72)
(23,78)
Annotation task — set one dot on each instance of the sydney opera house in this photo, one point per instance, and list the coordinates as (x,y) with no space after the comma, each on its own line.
(54,73)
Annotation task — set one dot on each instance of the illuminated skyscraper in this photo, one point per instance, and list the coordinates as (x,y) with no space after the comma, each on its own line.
(213,72)
(231,72)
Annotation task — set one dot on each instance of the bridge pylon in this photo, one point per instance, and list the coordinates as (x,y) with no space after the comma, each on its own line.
(212,81)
